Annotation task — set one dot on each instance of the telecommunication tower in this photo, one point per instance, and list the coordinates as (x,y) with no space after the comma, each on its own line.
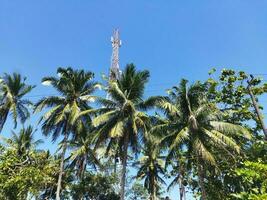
(114,68)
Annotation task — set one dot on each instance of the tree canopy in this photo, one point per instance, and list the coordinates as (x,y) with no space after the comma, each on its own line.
(206,137)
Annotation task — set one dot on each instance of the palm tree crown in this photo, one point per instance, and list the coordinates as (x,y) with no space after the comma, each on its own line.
(151,166)
(122,115)
(82,153)
(12,91)
(24,141)
(197,125)
(75,88)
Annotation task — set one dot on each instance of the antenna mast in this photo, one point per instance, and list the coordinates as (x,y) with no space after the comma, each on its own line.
(114,68)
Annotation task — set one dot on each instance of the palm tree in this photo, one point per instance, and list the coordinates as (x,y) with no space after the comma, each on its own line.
(195,125)
(12,91)
(121,118)
(151,166)
(179,171)
(49,190)
(82,153)
(75,88)
(23,142)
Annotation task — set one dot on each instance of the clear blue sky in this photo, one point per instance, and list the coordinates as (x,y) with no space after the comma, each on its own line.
(173,40)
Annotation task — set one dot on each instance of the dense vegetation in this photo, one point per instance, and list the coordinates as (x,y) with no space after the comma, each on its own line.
(204,137)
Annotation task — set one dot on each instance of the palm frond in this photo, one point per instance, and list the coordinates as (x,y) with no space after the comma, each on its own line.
(221,139)
(117,130)
(181,136)
(202,152)
(231,129)
(103,118)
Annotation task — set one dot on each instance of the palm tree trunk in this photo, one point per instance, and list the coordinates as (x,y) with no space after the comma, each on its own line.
(154,193)
(201,181)
(64,147)
(181,185)
(84,168)
(183,192)
(154,196)
(124,166)
(115,164)
(181,189)
(153,189)
(3,119)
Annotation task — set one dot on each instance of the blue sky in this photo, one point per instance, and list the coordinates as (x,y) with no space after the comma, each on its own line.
(173,40)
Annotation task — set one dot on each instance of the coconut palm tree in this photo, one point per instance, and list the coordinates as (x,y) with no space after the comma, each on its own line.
(151,166)
(49,190)
(12,92)
(195,125)
(180,173)
(82,153)
(24,141)
(121,118)
(75,88)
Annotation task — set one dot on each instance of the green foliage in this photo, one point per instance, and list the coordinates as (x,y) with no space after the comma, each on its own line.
(23,142)
(201,129)
(94,186)
(137,192)
(231,94)
(254,177)
(21,179)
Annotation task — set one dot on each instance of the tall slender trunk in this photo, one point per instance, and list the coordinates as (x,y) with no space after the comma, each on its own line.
(153,196)
(83,173)
(3,119)
(64,147)
(116,157)
(181,189)
(184,193)
(201,181)
(181,185)
(124,166)
(84,167)
(115,164)
(152,187)
(255,104)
